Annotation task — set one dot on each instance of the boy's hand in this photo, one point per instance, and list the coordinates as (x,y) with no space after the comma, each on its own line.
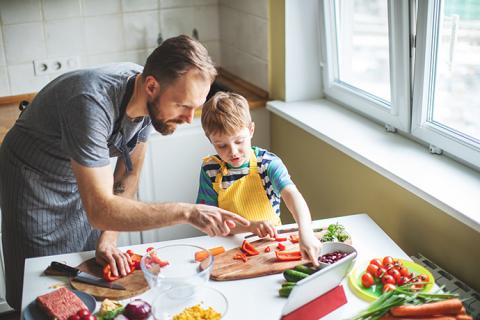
(263,229)
(310,247)
(214,221)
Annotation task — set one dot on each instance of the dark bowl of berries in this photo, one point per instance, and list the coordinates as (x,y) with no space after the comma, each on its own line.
(332,252)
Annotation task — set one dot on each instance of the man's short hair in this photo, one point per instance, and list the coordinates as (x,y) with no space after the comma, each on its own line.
(175,57)
(225,113)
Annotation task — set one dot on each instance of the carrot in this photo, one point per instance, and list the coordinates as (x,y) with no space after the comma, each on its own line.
(450,306)
(202,255)
(436,317)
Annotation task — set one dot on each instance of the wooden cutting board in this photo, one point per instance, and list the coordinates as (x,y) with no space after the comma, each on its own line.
(226,268)
(135,283)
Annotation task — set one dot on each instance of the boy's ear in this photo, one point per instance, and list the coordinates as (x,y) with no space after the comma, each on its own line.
(252,128)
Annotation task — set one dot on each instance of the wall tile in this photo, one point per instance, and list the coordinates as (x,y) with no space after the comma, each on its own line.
(4,84)
(229,25)
(141,29)
(2,50)
(214,51)
(65,37)
(136,56)
(96,7)
(20,11)
(104,34)
(176,21)
(22,79)
(31,46)
(206,21)
(252,36)
(186,3)
(139,5)
(61,9)
(245,66)
(257,8)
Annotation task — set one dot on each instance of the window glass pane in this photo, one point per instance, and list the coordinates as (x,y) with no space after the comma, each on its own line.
(362,42)
(457,91)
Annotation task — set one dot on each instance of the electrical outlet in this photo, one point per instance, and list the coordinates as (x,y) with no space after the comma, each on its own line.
(55,65)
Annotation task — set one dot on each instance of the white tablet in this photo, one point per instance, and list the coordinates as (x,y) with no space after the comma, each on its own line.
(318,283)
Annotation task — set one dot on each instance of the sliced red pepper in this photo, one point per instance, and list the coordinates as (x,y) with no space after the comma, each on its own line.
(281,246)
(107,274)
(294,238)
(248,248)
(288,255)
(267,249)
(150,249)
(240,256)
(279,239)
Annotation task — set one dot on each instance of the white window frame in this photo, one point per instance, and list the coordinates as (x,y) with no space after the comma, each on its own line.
(435,134)
(396,115)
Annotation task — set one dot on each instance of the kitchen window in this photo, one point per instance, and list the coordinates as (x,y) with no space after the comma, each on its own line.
(411,65)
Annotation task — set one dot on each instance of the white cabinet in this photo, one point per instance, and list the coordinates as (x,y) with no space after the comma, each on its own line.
(172,168)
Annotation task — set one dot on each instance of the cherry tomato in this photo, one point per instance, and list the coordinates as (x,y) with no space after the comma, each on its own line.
(389,287)
(376,262)
(367,280)
(89,317)
(404,272)
(83,312)
(388,279)
(387,260)
(74,317)
(372,269)
(402,280)
(423,278)
(395,274)
(380,272)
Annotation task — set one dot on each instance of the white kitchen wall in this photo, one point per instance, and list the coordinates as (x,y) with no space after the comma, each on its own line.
(95,31)
(244,39)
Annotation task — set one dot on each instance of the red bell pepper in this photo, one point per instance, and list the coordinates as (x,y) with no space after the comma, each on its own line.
(267,249)
(294,238)
(240,256)
(281,246)
(288,255)
(280,239)
(107,274)
(248,248)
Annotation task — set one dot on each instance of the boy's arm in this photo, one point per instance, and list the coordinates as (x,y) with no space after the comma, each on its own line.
(206,193)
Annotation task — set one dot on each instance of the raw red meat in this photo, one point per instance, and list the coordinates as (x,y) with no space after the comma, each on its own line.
(60,304)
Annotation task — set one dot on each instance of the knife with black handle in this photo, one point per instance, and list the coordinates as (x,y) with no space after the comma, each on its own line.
(84,277)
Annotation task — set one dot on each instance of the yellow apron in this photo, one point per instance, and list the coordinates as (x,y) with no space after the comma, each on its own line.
(246,196)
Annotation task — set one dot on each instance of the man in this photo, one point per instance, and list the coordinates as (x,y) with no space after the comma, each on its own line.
(57,192)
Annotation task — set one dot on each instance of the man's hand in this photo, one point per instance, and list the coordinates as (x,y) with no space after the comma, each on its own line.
(214,221)
(310,247)
(107,252)
(263,229)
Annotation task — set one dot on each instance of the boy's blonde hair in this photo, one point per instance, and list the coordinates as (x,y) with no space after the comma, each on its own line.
(225,113)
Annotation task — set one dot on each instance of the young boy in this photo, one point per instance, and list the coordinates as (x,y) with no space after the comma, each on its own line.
(248,180)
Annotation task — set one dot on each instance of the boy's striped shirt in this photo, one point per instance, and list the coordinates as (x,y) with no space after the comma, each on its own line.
(273,173)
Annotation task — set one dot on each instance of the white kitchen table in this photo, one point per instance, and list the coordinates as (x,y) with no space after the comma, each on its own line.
(255,298)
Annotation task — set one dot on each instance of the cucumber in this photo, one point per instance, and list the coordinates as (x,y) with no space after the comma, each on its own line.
(294,275)
(288,284)
(305,269)
(285,291)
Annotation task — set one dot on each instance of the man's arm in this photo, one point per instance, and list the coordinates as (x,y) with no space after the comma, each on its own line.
(108,211)
(125,185)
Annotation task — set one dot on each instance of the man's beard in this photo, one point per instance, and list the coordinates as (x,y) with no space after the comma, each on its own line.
(164,127)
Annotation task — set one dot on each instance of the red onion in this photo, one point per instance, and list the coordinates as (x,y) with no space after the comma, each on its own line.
(137,310)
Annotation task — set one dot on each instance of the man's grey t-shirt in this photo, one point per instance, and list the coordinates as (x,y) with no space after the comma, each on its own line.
(76,116)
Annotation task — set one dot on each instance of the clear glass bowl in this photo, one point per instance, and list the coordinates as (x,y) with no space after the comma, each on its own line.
(182,268)
(175,300)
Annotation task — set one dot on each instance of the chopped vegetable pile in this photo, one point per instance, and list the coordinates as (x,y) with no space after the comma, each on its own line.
(197,312)
(335,232)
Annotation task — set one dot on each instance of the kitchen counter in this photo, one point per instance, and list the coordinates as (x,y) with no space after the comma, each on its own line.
(255,298)
(256,97)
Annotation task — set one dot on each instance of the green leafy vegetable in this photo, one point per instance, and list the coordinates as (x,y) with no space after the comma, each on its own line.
(335,232)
